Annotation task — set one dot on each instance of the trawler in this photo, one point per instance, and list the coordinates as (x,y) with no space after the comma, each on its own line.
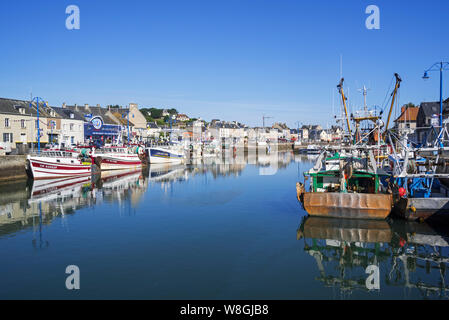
(346,181)
(118,157)
(346,185)
(56,163)
(170,153)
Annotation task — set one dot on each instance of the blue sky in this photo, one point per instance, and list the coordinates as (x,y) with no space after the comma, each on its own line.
(227,59)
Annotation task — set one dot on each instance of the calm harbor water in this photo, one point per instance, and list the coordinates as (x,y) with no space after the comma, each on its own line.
(213,230)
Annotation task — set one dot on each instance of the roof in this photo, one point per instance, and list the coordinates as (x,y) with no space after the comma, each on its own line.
(152,125)
(65,113)
(96,112)
(409,114)
(122,118)
(431,108)
(12,106)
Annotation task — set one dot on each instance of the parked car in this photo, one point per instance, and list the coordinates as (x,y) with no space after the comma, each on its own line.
(5,148)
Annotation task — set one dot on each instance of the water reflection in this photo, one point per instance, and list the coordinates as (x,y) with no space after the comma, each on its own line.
(410,255)
(31,204)
(238,207)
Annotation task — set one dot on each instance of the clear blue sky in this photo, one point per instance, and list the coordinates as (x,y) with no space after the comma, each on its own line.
(227,59)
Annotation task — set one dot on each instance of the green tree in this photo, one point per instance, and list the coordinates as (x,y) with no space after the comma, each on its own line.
(410,105)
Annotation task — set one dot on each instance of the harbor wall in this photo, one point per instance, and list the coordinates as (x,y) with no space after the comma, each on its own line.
(12,168)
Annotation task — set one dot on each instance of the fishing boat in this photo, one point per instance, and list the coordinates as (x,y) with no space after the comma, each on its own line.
(170,153)
(417,187)
(118,157)
(55,163)
(345,185)
(313,149)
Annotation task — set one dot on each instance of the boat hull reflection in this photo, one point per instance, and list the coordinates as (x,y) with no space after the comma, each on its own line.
(349,230)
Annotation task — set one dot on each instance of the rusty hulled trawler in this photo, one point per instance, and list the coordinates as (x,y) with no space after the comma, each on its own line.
(346,182)
(346,185)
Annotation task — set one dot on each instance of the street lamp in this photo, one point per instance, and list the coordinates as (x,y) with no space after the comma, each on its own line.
(38,130)
(439,66)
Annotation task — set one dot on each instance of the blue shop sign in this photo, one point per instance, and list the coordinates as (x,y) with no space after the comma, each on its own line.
(104,130)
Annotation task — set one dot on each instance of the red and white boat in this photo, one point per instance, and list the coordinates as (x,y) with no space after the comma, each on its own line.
(51,164)
(116,158)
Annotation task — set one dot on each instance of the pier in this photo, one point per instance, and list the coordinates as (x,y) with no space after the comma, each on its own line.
(12,168)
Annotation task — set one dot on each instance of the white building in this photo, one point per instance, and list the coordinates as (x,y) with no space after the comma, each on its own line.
(71,126)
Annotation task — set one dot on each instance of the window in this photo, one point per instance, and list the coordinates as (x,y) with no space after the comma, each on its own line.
(7,137)
(36,124)
(22,124)
(6,123)
(71,127)
(72,140)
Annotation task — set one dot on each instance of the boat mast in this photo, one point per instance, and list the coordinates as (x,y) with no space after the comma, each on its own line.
(340,90)
(396,87)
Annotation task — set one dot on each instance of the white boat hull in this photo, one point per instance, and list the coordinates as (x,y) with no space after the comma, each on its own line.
(118,163)
(162,155)
(47,168)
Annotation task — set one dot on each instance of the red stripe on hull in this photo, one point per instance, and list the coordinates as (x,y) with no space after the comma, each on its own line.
(53,166)
(52,189)
(121,162)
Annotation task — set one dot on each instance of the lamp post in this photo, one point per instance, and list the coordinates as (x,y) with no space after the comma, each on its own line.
(439,66)
(127,116)
(38,130)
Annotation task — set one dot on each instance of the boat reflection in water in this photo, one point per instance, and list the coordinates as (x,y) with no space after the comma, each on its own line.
(406,254)
(36,203)
(121,185)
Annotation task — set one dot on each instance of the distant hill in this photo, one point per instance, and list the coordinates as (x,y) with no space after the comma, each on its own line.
(158,115)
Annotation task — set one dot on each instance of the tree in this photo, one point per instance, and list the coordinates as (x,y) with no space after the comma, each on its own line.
(410,105)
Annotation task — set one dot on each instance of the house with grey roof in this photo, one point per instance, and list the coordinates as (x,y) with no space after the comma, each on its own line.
(19,124)
(71,127)
(428,116)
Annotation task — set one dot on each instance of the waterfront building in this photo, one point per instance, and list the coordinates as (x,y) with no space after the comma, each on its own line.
(18,125)
(294,135)
(100,125)
(71,126)
(137,120)
(182,117)
(407,121)
(428,116)
(153,130)
(304,133)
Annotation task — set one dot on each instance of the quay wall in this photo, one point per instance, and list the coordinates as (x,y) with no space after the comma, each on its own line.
(12,168)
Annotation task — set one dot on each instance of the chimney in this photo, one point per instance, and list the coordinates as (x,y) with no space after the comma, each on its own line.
(86,106)
(64,105)
(402,109)
(98,105)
